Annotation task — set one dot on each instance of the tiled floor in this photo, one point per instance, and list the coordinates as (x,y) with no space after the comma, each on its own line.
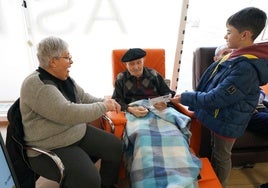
(249,177)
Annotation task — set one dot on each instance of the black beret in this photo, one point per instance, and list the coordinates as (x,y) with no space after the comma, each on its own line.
(133,54)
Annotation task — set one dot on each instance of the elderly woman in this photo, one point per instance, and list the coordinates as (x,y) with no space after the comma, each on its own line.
(55,111)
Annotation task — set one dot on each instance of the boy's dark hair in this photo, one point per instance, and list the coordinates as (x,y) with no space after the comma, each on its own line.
(249,18)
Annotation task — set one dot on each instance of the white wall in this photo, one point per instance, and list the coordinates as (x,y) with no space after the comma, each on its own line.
(139,23)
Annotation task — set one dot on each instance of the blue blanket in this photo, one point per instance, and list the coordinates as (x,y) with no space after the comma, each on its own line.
(157,151)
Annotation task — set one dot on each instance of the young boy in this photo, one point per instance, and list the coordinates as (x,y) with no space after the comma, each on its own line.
(259,119)
(228,91)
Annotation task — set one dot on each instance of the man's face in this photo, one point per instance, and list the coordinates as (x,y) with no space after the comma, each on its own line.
(135,67)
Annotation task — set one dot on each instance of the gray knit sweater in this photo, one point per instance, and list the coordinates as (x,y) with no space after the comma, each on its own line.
(50,120)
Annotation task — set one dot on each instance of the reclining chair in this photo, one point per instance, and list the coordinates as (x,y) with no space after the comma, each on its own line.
(115,123)
(248,149)
(155,58)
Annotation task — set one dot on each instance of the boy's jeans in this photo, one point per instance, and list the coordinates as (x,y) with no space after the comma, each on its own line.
(221,157)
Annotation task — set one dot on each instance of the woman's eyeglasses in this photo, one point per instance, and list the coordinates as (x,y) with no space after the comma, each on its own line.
(67,58)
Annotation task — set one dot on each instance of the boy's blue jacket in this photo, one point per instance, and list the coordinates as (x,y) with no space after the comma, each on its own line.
(225,100)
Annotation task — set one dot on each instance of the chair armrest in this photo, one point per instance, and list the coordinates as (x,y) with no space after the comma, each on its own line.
(114,122)
(208,176)
(183,109)
(195,127)
(52,156)
(107,120)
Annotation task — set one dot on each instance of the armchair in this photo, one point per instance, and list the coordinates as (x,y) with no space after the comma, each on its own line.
(155,58)
(17,149)
(248,149)
(115,122)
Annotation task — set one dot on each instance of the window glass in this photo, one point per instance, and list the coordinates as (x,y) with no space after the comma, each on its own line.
(94,28)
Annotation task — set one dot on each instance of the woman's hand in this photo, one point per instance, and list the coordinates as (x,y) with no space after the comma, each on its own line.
(112,105)
(138,111)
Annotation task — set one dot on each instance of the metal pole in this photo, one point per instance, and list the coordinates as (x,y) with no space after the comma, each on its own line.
(179,49)
(28,32)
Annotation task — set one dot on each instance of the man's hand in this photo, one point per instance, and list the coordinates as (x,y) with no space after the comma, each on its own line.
(160,106)
(138,111)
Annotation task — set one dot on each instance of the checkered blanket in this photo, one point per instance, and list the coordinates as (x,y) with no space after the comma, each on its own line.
(157,151)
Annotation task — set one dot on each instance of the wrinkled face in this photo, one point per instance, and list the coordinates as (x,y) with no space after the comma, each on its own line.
(59,66)
(135,67)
